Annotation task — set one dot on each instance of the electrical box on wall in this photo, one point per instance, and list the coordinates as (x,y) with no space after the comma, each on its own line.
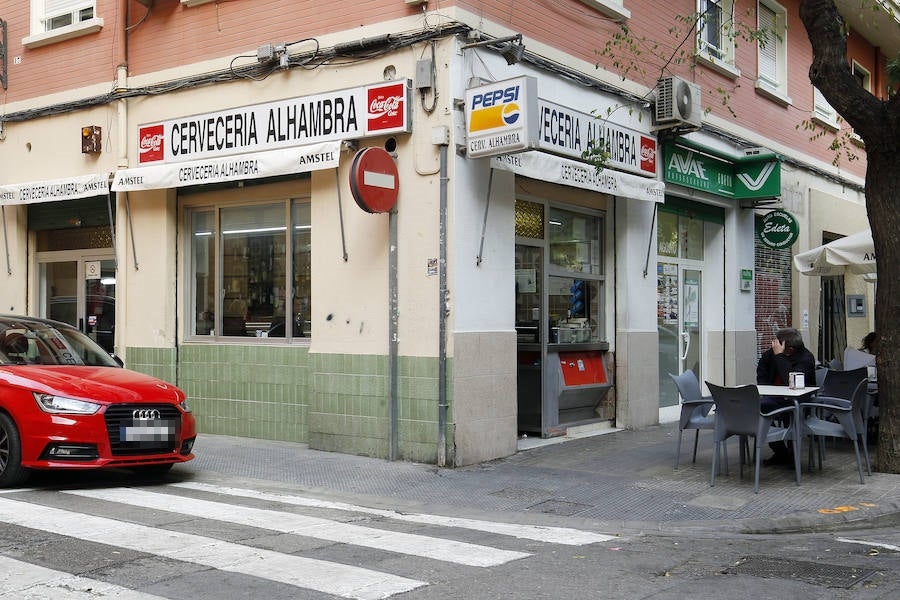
(856,305)
(91,136)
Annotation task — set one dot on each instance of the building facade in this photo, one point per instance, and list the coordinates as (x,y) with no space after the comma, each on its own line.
(202,186)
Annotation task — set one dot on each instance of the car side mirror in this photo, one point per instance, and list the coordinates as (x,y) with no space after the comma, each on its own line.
(118,360)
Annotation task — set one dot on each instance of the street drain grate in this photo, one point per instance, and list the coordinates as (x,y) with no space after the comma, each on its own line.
(832,576)
(559,507)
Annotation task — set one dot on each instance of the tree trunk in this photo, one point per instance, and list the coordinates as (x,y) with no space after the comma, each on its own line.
(877,122)
(882,195)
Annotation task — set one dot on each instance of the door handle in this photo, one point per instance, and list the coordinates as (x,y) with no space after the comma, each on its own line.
(686,337)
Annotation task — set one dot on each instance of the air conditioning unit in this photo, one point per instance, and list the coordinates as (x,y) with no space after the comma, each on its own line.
(677,103)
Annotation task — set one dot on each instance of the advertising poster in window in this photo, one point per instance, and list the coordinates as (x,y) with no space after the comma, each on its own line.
(667,293)
(691,303)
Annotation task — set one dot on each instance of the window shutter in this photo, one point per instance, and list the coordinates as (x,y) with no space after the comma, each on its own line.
(768,52)
(57,7)
(822,108)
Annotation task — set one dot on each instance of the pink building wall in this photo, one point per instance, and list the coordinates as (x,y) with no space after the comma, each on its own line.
(174,35)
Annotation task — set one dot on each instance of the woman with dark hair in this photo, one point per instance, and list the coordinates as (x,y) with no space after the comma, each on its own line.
(870,343)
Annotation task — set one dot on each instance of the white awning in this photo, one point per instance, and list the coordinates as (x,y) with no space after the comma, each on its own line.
(253,165)
(555,169)
(69,188)
(851,254)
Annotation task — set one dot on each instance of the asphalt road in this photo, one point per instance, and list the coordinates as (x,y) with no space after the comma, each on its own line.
(203,535)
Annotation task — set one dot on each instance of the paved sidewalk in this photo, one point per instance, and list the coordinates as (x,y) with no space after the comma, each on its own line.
(618,481)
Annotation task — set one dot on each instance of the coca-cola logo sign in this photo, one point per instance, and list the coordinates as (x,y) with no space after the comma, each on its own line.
(648,154)
(151,143)
(386,107)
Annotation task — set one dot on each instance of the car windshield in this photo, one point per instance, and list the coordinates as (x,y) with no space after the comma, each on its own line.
(38,343)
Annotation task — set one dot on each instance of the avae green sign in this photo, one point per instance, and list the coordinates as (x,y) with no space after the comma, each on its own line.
(778,229)
(695,166)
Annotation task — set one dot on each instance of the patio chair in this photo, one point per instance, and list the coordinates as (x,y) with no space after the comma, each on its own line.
(821,372)
(694,410)
(838,386)
(738,413)
(821,420)
(837,389)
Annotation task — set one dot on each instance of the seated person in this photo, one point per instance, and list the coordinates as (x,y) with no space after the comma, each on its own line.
(15,347)
(788,354)
(870,343)
(854,359)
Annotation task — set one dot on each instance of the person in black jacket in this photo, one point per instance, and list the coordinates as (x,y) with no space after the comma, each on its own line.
(788,354)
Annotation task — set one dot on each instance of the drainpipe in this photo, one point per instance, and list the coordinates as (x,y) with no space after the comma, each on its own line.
(393,334)
(121,162)
(444,141)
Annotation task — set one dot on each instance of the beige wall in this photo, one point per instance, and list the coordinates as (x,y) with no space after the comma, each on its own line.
(836,211)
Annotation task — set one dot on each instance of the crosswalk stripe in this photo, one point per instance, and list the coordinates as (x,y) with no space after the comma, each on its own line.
(328,577)
(405,543)
(24,581)
(554,535)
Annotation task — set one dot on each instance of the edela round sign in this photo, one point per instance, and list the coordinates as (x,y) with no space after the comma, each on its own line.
(778,229)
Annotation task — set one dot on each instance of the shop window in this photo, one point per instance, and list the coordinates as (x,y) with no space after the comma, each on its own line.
(58,20)
(575,282)
(574,241)
(679,236)
(264,287)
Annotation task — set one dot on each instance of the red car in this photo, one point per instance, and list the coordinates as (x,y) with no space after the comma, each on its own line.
(65,403)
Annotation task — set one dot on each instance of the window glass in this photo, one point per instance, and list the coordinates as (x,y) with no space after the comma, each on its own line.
(61,13)
(711,34)
(679,236)
(302,288)
(667,234)
(261,280)
(253,267)
(574,241)
(575,283)
(574,305)
(692,238)
(203,268)
(714,35)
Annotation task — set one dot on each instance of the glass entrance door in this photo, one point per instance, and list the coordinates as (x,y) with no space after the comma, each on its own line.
(678,319)
(80,289)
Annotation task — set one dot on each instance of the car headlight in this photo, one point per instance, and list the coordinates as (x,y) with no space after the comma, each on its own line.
(184,406)
(61,405)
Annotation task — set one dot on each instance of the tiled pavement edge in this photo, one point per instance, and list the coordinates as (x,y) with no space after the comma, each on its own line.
(621,480)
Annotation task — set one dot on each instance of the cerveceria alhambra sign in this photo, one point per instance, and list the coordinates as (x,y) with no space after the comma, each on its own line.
(778,229)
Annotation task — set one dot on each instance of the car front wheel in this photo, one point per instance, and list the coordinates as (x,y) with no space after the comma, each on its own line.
(11,471)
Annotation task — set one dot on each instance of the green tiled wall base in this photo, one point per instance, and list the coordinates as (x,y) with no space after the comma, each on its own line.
(334,402)
(349,407)
(247,391)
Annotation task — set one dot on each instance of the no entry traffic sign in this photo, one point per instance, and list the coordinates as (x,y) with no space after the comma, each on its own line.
(374,181)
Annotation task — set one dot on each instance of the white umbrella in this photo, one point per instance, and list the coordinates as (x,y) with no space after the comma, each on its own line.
(852,254)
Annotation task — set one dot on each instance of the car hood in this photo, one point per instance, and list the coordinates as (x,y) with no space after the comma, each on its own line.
(101,384)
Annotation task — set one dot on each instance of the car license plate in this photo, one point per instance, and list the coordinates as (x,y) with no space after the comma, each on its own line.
(152,431)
